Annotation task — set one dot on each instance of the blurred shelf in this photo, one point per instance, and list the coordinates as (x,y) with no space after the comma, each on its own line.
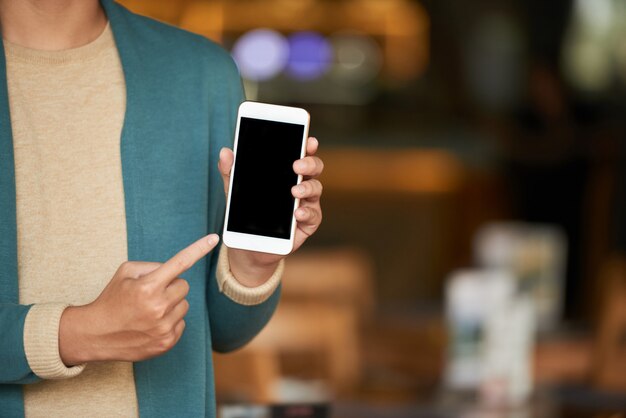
(391,171)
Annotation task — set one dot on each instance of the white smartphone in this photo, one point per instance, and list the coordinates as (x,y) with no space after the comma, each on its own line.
(260,208)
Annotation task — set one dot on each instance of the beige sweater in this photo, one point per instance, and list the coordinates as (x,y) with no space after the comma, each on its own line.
(67,110)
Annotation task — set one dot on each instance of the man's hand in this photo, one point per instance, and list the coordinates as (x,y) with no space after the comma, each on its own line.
(138,315)
(253,268)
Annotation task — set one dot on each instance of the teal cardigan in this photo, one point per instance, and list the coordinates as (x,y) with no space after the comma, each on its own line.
(182,96)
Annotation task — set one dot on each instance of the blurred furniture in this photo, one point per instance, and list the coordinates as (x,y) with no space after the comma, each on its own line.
(246,375)
(582,358)
(333,277)
(405,353)
(326,295)
(609,371)
(401,205)
(322,339)
(413,209)
(562,358)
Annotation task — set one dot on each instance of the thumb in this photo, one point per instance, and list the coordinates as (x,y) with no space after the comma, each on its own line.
(225,165)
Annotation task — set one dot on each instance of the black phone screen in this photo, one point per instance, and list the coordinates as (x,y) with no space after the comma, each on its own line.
(261,202)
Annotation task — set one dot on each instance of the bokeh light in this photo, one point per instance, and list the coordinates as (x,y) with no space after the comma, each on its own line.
(310,55)
(358,58)
(261,54)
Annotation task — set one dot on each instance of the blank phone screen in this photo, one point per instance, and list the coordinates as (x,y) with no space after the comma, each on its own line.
(261,202)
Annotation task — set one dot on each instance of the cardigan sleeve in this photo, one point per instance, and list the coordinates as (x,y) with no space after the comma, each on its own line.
(15,368)
(232,324)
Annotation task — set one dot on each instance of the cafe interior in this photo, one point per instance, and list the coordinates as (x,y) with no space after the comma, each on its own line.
(472,257)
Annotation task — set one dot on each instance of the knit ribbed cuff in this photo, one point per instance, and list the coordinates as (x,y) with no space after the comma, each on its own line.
(41,342)
(239,293)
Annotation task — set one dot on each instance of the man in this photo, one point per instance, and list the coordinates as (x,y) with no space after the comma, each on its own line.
(112,129)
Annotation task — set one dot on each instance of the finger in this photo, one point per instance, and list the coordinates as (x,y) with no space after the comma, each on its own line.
(312,144)
(309,166)
(176,291)
(310,190)
(179,328)
(177,313)
(136,269)
(225,166)
(184,260)
(309,215)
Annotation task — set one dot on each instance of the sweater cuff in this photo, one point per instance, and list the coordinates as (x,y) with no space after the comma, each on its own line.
(239,293)
(41,342)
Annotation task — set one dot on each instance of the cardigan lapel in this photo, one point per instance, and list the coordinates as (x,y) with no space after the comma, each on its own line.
(135,113)
(8,226)
(136,116)
(9,285)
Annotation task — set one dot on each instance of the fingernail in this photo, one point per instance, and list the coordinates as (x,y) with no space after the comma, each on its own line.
(300,212)
(213,239)
(300,165)
(300,189)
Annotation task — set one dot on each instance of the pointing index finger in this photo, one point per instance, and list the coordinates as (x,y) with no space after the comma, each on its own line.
(185,259)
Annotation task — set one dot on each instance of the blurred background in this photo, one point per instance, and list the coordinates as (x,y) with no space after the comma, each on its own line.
(471,260)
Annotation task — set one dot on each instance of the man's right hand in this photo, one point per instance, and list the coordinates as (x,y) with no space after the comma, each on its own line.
(139,314)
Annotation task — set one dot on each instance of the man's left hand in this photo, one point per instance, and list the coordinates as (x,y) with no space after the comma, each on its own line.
(253,268)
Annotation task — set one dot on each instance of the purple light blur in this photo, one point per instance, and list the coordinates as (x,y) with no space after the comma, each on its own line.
(261,54)
(310,55)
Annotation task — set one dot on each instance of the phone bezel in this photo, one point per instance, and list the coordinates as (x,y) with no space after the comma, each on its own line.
(276,113)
